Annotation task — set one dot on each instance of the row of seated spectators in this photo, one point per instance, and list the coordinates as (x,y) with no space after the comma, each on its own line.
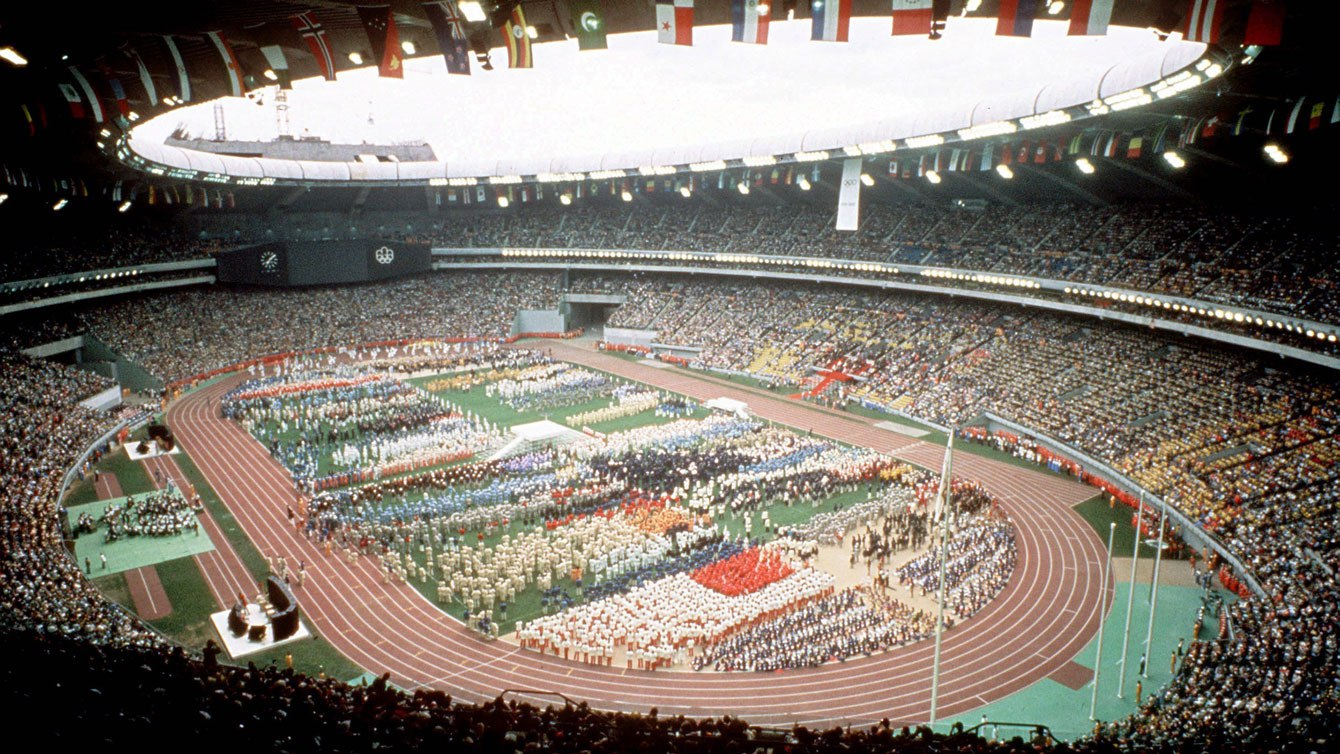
(41,247)
(1245,447)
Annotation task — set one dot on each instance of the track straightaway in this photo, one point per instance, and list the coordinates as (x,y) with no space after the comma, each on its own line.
(1046,614)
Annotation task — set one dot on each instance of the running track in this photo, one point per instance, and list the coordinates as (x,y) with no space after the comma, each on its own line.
(1046,614)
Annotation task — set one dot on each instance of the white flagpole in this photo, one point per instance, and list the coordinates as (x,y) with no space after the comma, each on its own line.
(1154,595)
(944,502)
(1130,600)
(1102,621)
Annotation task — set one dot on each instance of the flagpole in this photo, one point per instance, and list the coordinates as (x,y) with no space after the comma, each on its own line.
(1130,599)
(1154,595)
(1102,621)
(944,501)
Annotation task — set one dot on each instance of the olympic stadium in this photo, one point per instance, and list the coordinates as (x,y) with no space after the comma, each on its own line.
(598,375)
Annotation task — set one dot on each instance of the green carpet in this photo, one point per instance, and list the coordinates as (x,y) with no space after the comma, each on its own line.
(134,552)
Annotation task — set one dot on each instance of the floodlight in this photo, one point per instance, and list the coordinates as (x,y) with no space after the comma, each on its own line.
(4,198)
(685,191)
(60,204)
(125,206)
(803,183)
(1174,159)
(270,74)
(408,47)
(503,201)
(1055,7)
(1005,171)
(626,195)
(932,176)
(472,11)
(867,180)
(1084,165)
(565,199)
(743,186)
(355,58)
(12,56)
(1276,153)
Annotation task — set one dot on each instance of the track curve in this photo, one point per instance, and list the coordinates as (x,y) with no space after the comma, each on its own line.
(1046,614)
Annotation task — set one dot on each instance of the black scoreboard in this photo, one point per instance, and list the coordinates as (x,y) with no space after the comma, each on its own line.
(295,263)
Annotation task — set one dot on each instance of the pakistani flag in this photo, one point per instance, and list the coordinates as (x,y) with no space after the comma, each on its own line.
(589,21)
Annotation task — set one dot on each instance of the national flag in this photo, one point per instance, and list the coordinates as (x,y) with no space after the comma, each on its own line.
(749,21)
(830,20)
(518,40)
(183,81)
(588,20)
(1090,17)
(446,20)
(988,157)
(1335,111)
(229,61)
(1203,18)
(1314,122)
(1210,127)
(1075,144)
(76,103)
(28,117)
(92,98)
(674,22)
(1015,18)
(278,62)
(384,37)
(1293,116)
(119,95)
(912,17)
(1265,23)
(150,91)
(311,30)
(893,168)
(1134,148)
(1242,118)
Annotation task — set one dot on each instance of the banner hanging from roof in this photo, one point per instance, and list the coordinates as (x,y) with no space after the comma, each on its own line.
(849,195)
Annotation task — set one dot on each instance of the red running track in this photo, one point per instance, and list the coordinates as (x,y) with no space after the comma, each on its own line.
(1045,616)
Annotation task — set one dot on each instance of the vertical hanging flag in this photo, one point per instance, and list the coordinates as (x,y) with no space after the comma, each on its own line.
(89,95)
(517,32)
(76,104)
(912,17)
(119,95)
(1293,117)
(1265,23)
(829,20)
(183,81)
(384,38)
(311,30)
(1090,17)
(849,195)
(278,62)
(1016,18)
(749,21)
(674,22)
(588,21)
(1203,18)
(229,61)
(1135,147)
(1314,121)
(150,91)
(988,157)
(446,20)
(28,118)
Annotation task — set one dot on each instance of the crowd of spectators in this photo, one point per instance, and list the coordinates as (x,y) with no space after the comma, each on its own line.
(1246,448)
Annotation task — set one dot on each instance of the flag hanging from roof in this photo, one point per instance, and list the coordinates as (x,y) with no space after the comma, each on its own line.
(230,65)
(446,20)
(76,103)
(674,22)
(830,20)
(379,23)
(1203,18)
(749,21)
(119,95)
(278,62)
(1314,121)
(1265,23)
(1015,18)
(150,91)
(94,106)
(1293,116)
(1090,17)
(183,81)
(311,30)
(912,17)
(1134,147)
(588,20)
(517,32)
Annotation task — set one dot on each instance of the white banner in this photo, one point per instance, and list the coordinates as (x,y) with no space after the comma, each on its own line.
(849,196)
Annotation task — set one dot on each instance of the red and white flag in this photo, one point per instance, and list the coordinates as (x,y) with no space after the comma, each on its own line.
(229,61)
(183,81)
(1203,20)
(89,95)
(311,30)
(912,17)
(1090,17)
(674,22)
(1265,23)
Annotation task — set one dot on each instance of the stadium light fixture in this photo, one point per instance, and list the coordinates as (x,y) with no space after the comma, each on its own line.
(685,191)
(1055,7)
(1084,166)
(503,201)
(125,206)
(12,56)
(1276,153)
(743,187)
(270,74)
(408,47)
(565,199)
(356,58)
(932,176)
(472,10)
(532,33)
(972,5)
(803,182)
(1174,159)
(60,205)
(4,198)
(1005,171)
(626,195)
(866,180)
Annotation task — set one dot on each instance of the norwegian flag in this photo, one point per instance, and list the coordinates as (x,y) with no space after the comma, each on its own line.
(312,31)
